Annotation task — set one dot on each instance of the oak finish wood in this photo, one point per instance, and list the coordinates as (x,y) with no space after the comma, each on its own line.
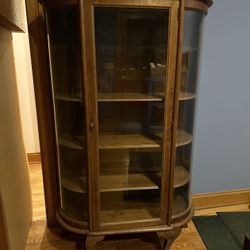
(128,141)
(175,138)
(34,157)
(126,97)
(133,181)
(196,5)
(90,94)
(183,138)
(39,57)
(185,96)
(227,198)
(171,61)
(199,5)
(136,181)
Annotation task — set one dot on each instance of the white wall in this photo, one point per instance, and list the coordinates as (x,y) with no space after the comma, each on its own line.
(14,178)
(221,156)
(26,89)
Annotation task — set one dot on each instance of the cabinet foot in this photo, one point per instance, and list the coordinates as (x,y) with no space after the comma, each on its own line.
(152,238)
(91,241)
(167,238)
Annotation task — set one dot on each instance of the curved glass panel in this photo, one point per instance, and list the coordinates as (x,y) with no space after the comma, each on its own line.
(65,67)
(187,99)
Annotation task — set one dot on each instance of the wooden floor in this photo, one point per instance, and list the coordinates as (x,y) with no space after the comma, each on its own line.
(41,237)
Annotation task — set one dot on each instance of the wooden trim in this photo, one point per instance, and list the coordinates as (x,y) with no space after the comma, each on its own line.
(34,158)
(90,87)
(168,111)
(41,76)
(219,199)
(9,25)
(198,5)
(4,238)
(136,4)
(175,111)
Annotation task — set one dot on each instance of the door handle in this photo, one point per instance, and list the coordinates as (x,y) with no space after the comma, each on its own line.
(92,124)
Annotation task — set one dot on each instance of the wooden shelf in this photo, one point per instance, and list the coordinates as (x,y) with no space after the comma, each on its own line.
(185,96)
(179,206)
(75,184)
(114,183)
(68,98)
(135,181)
(183,138)
(181,176)
(128,141)
(119,211)
(125,97)
(70,142)
(129,97)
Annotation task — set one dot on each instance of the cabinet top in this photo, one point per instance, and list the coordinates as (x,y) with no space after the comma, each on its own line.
(196,5)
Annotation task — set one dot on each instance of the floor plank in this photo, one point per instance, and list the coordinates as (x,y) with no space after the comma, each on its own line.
(40,237)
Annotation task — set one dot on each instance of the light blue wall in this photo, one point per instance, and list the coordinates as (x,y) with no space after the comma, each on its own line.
(221,156)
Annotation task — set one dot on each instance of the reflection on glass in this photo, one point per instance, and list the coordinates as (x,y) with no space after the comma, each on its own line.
(188,86)
(131,77)
(65,60)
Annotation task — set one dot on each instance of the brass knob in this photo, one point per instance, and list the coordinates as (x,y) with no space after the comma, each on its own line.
(92,124)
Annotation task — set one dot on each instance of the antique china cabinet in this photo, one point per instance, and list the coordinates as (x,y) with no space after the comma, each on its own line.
(115,84)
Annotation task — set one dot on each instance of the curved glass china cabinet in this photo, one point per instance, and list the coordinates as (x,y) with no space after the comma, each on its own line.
(120,94)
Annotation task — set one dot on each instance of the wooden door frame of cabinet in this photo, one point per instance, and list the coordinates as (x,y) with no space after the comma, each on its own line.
(172,62)
(196,5)
(88,60)
(41,78)
(175,109)
(90,86)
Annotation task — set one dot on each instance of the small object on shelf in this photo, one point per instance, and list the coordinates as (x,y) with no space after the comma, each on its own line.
(157,70)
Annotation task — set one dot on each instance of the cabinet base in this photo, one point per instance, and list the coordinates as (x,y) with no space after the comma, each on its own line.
(160,240)
(161,237)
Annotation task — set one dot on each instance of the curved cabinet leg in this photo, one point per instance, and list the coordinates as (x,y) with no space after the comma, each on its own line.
(91,241)
(167,238)
(152,238)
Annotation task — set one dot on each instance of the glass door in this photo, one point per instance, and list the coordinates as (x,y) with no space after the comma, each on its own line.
(131,47)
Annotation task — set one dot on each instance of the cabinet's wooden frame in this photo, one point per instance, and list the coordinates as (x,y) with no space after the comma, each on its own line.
(89,57)
(41,77)
(38,44)
(175,112)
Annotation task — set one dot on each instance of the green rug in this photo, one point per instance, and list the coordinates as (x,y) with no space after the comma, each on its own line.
(238,224)
(214,233)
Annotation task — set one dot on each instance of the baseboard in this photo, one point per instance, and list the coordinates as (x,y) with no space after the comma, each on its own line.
(220,199)
(34,158)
